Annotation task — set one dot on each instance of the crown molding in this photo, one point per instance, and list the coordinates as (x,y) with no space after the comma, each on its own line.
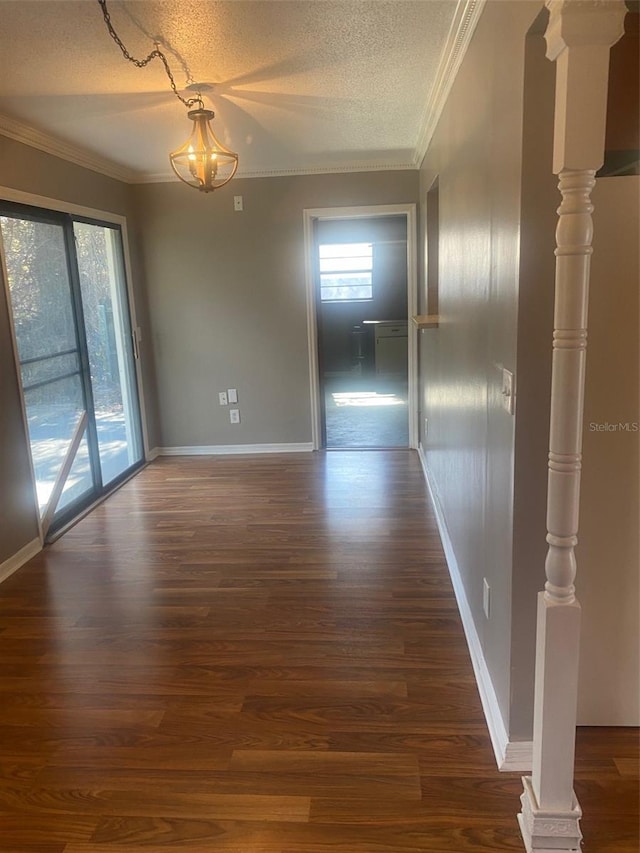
(330,170)
(169,177)
(28,135)
(463,26)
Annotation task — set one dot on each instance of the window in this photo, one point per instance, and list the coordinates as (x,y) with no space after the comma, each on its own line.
(345,271)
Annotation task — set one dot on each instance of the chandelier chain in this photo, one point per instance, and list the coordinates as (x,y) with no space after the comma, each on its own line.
(156,53)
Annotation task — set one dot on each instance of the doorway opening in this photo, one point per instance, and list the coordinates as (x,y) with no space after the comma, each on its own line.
(361,293)
(67,291)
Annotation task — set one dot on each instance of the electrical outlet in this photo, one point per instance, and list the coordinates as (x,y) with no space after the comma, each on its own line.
(234,416)
(222,396)
(426,427)
(486,598)
(232,394)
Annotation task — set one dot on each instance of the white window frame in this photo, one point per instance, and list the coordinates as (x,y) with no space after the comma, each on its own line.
(365,252)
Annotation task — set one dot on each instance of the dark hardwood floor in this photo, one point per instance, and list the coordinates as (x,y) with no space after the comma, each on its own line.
(261,655)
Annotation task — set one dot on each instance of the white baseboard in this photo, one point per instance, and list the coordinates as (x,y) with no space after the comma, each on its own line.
(19,559)
(231,449)
(153,454)
(518,756)
(511,756)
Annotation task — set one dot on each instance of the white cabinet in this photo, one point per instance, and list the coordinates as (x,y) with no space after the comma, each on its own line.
(391,348)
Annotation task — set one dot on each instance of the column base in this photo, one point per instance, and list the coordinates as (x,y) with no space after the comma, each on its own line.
(546,831)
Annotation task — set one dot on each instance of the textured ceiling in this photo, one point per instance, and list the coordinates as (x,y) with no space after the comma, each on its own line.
(317,85)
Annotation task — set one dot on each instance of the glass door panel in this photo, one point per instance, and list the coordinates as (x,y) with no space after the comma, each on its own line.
(48,350)
(53,413)
(70,313)
(108,333)
(40,288)
(80,481)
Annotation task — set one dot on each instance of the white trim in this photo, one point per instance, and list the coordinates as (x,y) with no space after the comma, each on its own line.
(312,332)
(362,212)
(20,197)
(516,756)
(136,335)
(462,28)
(50,144)
(169,177)
(153,454)
(232,449)
(412,308)
(20,558)
(13,128)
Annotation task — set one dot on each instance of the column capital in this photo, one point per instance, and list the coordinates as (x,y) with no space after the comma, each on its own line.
(583,23)
(579,37)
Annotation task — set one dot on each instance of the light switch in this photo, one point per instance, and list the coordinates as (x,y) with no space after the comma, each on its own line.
(237,202)
(232,395)
(486,598)
(508,395)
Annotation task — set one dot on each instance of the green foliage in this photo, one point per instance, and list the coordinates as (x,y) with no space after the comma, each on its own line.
(43,307)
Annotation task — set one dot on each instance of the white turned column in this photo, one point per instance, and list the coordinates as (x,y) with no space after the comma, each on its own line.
(579,37)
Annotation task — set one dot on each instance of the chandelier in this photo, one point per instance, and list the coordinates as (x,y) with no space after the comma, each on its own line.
(202,162)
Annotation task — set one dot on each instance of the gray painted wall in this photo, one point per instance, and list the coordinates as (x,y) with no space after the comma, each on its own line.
(608,552)
(535,331)
(477,154)
(498,197)
(228,303)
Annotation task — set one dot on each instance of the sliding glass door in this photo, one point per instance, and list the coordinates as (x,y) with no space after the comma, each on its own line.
(69,305)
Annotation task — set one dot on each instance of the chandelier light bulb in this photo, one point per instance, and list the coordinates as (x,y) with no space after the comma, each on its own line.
(203,162)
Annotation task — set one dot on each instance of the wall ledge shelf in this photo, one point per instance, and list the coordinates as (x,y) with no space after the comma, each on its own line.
(426,321)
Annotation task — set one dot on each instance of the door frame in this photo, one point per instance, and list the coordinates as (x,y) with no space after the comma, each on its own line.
(312,215)
(106,217)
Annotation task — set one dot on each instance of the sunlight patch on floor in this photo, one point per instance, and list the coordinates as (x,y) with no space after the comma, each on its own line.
(366,398)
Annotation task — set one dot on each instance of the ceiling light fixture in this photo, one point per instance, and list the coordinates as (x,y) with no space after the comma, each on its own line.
(202,162)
